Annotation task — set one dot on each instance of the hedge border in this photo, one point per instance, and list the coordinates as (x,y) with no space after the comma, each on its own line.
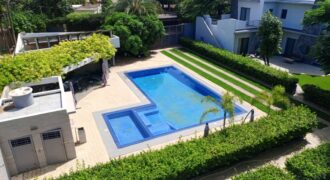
(311,163)
(245,66)
(317,95)
(192,158)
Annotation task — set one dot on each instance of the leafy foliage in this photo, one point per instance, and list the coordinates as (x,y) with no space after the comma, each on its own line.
(27,21)
(34,65)
(49,8)
(227,104)
(322,47)
(243,65)
(311,163)
(270,34)
(136,33)
(317,95)
(189,9)
(268,172)
(190,159)
(138,7)
(275,97)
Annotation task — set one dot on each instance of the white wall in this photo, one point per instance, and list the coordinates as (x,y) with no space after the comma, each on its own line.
(256,8)
(295,15)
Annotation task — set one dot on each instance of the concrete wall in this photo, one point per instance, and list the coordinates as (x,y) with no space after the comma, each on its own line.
(256,8)
(3,170)
(33,126)
(203,32)
(295,14)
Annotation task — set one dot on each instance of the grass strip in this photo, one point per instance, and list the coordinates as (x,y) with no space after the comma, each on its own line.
(212,62)
(243,96)
(216,72)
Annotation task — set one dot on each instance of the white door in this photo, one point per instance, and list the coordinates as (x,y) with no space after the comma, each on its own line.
(54,146)
(24,154)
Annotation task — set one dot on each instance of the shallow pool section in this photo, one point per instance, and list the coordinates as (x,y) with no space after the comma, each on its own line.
(175,104)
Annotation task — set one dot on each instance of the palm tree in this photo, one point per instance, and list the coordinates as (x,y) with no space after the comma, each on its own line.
(275,97)
(227,104)
(138,7)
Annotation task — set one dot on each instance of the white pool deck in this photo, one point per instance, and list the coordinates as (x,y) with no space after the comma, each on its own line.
(116,95)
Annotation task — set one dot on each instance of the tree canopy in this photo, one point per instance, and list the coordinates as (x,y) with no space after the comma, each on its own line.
(190,9)
(270,34)
(321,14)
(138,7)
(137,33)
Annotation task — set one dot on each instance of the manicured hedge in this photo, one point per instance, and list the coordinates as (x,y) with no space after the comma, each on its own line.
(269,172)
(190,159)
(317,95)
(243,65)
(311,163)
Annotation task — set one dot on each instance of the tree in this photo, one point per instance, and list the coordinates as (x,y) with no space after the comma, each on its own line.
(189,9)
(137,33)
(106,6)
(227,104)
(275,97)
(270,34)
(138,7)
(321,14)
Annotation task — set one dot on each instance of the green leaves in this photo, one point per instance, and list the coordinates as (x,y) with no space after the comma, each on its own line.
(317,95)
(31,66)
(186,160)
(268,172)
(270,34)
(243,65)
(311,163)
(137,33)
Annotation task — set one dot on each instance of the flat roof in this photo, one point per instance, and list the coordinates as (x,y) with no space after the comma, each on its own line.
(42,104)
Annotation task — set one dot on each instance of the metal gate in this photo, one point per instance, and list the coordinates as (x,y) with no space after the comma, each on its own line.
(54,146)
(24,154)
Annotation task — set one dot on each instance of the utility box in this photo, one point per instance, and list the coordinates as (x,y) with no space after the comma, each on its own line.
(82,135)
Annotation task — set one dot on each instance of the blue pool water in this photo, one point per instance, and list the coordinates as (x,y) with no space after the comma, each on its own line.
(176,103)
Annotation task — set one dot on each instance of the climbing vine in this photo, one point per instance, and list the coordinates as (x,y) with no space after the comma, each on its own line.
(32,66)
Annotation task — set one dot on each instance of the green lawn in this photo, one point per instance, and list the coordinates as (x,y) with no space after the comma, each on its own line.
(321,81)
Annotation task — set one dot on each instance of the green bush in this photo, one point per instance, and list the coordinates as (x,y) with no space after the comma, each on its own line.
(137,33)
(243,65)
(192,158)
(79,21)
(317,95)
(31,66)
(26,21)
(269,172)
(311,163)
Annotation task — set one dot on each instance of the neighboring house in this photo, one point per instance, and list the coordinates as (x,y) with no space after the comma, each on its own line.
(237,32)
(87,8)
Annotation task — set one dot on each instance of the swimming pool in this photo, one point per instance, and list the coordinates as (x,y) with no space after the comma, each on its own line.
(175,104)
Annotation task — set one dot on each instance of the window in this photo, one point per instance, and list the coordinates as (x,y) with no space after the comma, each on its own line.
(271,11)
(21,142)
(245,14)
(283,14)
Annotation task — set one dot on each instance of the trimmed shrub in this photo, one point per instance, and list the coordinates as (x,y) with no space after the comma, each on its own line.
(317,95)
(243,65)
(198,156)
(311,163)
(31,66)
(269,172)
